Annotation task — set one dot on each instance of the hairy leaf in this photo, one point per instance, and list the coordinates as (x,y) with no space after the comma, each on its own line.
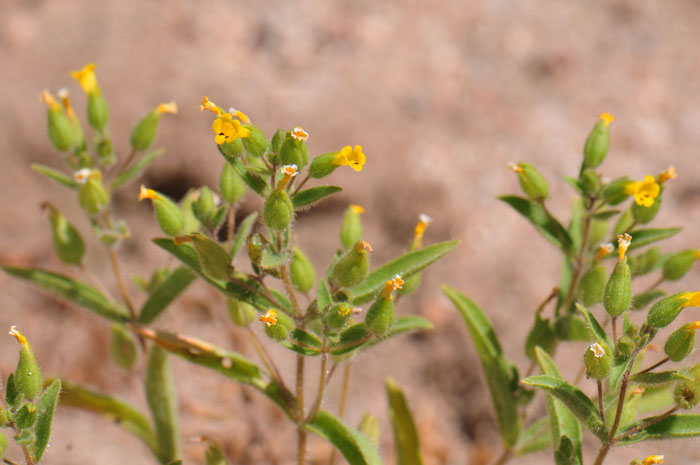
(308,197)
(136,168)
(165,293)
(355,446)
(405,433)
(549,227)
(46,406)
(54,175)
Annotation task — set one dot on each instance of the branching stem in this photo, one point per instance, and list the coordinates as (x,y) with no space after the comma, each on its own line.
(656,365)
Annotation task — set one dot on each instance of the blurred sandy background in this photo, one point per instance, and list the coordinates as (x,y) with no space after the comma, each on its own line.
(441,95)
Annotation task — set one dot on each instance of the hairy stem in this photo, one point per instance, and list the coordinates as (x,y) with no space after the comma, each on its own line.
(623,392)
(579,261)
(600,400)
(120,282)
(321,384)
(265,357)
(646,424)
(290,292)
(230,225)
(656,365)
(301,184)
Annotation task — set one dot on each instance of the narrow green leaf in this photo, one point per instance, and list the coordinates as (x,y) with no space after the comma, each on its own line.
(303,342)
(350,339)
(12,395)
(54,175)
(405,433)
(136,168)
(323,299)
(162,402)
(535,438)
(72,290)
(597,331)
(406,265)
(242,233)
(659,378)
(550,228)
(46,406)
(671,427)
(309,197)
(605,214)
(644,237)
(496,368)
(402,325)
(165,293)
(576,223)
(355,446)
(575,400)
(253,181)
(121,413)
(272,259)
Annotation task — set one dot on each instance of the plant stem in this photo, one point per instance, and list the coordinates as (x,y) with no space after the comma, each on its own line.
(343,399)
(614,331)
(231,225)
(600,401)
(646,424)
(656,365)
(255,291)
(579,260)
(120,282)
(301,184)
(301,431)
(264,356)
(604,449)
(8,461)
(623,392)
(321,384)
(290,292)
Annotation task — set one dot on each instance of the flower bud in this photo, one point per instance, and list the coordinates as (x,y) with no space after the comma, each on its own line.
(277,140)
(589,181)
(168,214)
(255,244)
(241,313)
(105,154)
(145,130)
(338,315)
(618,291)
(592,285)
(679,264)
(323,165)
(598,361)
(231,185)
(67,241)
(351,268)
(532,182)
(214,260)
(615,192)
(277,324)
(256,143)
(26,416)
(301,271)
(122,347)
(231,150)
(598,141)
(92,195)
(278,210)
(61,131)
(541,335)
(351,227)
(380,316)
(625,345)
(293,150)
(681,342)
(645,214)
(369,426)
(686,394)
(666,310)
(27,378)
(97,111)
(204,207)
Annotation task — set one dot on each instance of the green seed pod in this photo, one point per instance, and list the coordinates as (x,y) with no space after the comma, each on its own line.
(279,330)
(644,215)
(571,328)
(122,347)
(351,268)
(27,377)
(541,335)
(214,260)
(293,150)
(105,152)
(26,416)
(145,130)
(338,315)
(241,313)
(256,143)
(278,210)
(380,316)
(61,130)
(666,310)
(679,264)
(686,394)
(618,291)
(589,181)
(598,141)
(92,195)
(369,426)
(67,241)
(231,150)
(204,207)
(301,271)
(255,244)
(323,165)
(598,361)
(97,111)
(3,444)
(592,286)
(625,345)
(277,140)
(231,185)
(681,342)
(168,213)
(351,227)
(532,182)
(615,192)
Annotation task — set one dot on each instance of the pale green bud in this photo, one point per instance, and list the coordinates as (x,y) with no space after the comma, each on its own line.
(256,143)
(67,241)
(97,111)
(681,342)
(241,313)
(27,378)
(301,271)
(231,185)
(532,182)
(598,141)
(168,213)
(351,227)
(278,210)
(598,361)
(679,264)
(353,267)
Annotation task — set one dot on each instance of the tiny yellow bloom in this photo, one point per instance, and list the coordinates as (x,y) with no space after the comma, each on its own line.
(269,318)
(597,350)
(644,192)
(48,99)
(299,134)
(653,459)
(623,243)
(345,309)
(665,175)
(693,299)
(211,106)
(356,209)
(352,157)
(392,285)
(81,176)
(515,168)
(170,107)
(147,193)
(86,78)
(228,129)
(638,391)
(603,250)
(696,325)
(17,335)
(289,170)
(607,118)
(365,245)
(63,95)
(240,115)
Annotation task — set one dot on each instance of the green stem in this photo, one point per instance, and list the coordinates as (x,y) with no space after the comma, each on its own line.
(321,384)
(301,431)
(579,261)
(600,401)
(120,282)
(343,400)
(623,392)
(656,365)
(646,424)
(604,449)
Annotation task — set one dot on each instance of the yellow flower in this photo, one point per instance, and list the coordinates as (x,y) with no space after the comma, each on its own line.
(48,99)
(607,118)
(147,193)
(693,299)
(392,285)
(352,157)
(356,209)
(423,222)
(597,350)
(17,335)
(228,129)
(623,243)
(170,107)
(240,115)
(665,175)
(653,459)
(299,134)
(644,192)
(211,106)
(269,318)
(86,78)
(63,95)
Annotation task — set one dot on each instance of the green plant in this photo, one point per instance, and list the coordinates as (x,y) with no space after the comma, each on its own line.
(619,336)
(269,289)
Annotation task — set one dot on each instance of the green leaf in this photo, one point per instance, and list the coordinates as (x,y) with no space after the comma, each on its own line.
(12,395)
(671,427)
(72,290)
(640,301)
(136,168)
(597,331)
(355,446)
(121,413)
(46,406)
(303,342)
(253,181)
(565,454)
(405,434)
(308,197)
(605,214)
(575,400)
(535,438)
(272,259)
(165,293)
(402,325)
(644,237)
(655,399)
(242,233)
(55,175)
(406,265)
(162,402)
(659,378)
(550,228)
(576,223)
(357,336)
(496,367)
(323,298)
(350,339)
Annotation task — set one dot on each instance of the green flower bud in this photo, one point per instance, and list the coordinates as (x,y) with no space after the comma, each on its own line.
(92,195)
(686,394)
(644,215)
(338,315)
(27,377)
(369,426)
(598,141)
(145,130)
(351,227)
(533,183)
(598,361)
(67,241)
(277,325)
(625,345)
(168,214)
(105,154)
(380,316)
(679,264)
(293,150)
(255,244)
(231,150)
(616,192)
(231,185)
(97,111)
(256,143)
(629,328)
(61,130)
(592,285)
(122,347)
(618,291)
(681,342)
(351,268)
(323,165)
(277,140)
(541,335)
(301,271)
(204,207)
(589,181)
(278,210)
(666,310)
(26,416)
(241,313)
(214,260)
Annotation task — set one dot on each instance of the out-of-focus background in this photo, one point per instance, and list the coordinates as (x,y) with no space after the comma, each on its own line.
(441,95)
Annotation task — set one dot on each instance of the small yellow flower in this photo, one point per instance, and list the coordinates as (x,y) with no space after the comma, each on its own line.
(81,176)
(515,168)
(86,78)
(623,243)
(269,318)
(392,285)
(607,118)
(696,325)
(289,171)
(423,222)
(17,335)
(638,391)
(48,99)
(345,309)
(299,134)
(693,299)
(603,250)
(665,175)
(352,157)
(240,115)
(597,350)
(170,107)
(211,106)
(653,459)
(147,193)
(63,95)
(356,209)
(365,245)
(644,192)
(228,129)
